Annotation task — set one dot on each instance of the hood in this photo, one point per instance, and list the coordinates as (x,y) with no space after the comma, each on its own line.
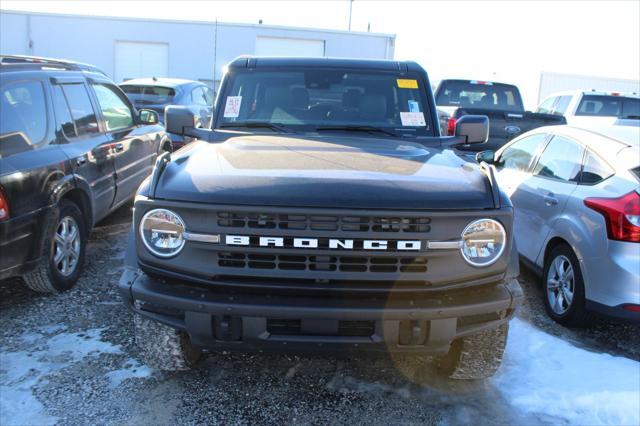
(324,171)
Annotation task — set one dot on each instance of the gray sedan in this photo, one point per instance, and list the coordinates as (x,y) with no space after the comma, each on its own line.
(577,216)
(157,93)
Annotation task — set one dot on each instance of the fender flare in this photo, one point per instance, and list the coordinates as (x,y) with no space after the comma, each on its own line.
(571,232)
(75,182)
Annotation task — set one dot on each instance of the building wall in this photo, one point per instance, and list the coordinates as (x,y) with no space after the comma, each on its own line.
(191,44)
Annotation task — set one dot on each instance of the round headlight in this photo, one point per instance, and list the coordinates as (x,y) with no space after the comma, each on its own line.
(162,232)
(483,242)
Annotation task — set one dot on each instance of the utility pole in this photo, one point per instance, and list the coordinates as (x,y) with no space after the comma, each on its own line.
(350,9)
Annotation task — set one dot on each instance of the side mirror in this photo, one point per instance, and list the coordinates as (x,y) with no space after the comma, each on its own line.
(148,116)
(473,128)
(488,157)
(177,119)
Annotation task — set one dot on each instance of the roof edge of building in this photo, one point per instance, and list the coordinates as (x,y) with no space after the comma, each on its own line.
(198,22)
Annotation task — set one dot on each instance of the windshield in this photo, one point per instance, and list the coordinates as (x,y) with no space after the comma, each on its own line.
(479,94)
(609,106)
(316,99)
(148,95)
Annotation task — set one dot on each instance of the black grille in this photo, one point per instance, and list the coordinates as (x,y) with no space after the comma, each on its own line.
(323,263)
(323,223)
(290,327)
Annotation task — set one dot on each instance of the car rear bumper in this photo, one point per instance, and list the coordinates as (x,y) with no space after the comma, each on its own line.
(613,282)
(221,320)
(21,242)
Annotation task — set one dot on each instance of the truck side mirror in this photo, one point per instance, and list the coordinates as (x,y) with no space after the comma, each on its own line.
(178,119)
(488,157)
(473,128)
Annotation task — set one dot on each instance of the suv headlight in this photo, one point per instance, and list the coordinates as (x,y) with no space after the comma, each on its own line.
(483,242)
(162,232)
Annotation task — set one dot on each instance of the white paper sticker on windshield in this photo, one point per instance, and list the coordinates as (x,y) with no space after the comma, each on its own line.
(414,119)
(232,108)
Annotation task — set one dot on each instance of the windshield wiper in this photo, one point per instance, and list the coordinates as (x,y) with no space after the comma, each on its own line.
(257,125)
(358,129)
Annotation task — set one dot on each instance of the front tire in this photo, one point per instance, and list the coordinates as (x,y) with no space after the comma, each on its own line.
(64,252)
(477,356)
(163,347)
(564,292)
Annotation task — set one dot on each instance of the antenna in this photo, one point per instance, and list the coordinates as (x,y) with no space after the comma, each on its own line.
(215,57)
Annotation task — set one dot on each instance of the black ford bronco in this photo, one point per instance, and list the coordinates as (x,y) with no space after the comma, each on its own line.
(323,211)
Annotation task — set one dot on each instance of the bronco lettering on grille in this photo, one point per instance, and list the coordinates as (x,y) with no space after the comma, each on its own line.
(330,243)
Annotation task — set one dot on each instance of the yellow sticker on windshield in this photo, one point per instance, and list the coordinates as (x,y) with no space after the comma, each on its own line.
(407,84)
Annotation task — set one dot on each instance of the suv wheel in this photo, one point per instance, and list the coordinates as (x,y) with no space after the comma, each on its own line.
(477,356)
(564,294)
(164,347)
(63,254)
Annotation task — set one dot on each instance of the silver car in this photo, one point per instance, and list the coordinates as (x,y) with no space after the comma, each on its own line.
(577,216)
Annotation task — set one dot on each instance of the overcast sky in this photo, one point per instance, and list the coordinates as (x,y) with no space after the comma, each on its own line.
(510,41)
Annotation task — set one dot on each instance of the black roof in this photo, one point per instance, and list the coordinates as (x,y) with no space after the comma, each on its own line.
(20,62)
(379,64)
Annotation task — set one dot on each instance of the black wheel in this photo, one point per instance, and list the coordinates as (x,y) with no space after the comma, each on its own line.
(64,252)
(564,293)
(475,357)
(163,347)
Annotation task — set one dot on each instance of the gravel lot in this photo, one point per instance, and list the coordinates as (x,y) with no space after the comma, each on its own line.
(71,359)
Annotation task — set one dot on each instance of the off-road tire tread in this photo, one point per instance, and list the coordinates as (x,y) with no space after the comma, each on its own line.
(477,356)
(163,347)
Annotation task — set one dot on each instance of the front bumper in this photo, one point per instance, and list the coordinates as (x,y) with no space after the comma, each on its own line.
(223,320)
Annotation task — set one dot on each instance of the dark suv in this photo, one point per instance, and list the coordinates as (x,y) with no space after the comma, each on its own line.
(72,149)
(323,211)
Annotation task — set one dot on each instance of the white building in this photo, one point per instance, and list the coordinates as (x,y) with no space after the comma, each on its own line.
(552,82)
(128,48)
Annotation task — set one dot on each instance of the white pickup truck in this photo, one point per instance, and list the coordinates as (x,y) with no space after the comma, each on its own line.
(594,108)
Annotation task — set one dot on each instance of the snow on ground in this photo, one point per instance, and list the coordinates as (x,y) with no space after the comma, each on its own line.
(544,374)
(132,368)
(543,377)
(20,371)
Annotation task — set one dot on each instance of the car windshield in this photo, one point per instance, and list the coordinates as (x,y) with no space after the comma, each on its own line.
(479,94)
(148,95)
(609,106)
(327,99)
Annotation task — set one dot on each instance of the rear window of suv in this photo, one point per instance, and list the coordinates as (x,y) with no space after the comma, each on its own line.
(479,94)
(148,95)
(609,106)
(23,116)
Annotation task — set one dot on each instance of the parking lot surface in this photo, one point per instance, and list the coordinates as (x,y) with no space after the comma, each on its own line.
(71,359)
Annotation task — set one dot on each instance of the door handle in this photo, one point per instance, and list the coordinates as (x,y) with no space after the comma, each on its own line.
(80,161)
(118,147)
(550,200)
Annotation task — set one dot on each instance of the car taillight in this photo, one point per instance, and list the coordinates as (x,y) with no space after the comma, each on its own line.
(631,307)
(451,127)
(622,215)
(4,206)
